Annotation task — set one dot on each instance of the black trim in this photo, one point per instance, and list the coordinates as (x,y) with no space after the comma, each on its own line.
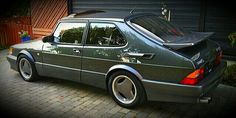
(229,57)
(202,19)
(69,6)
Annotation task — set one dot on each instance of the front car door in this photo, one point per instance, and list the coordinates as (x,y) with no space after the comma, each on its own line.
(62,58)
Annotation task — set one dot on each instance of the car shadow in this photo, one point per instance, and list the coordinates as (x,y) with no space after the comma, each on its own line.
(223,103)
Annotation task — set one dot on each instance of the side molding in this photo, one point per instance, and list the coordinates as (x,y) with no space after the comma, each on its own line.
(27,54)
(124,67)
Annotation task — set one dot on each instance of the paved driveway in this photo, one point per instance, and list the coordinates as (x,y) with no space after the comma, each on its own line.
(49,97)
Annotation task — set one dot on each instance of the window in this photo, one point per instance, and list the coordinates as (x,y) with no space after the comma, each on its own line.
(104,34)
(69,33)
(159,27)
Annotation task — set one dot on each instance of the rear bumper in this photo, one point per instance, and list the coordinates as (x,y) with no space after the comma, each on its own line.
(163,91)
(12,61)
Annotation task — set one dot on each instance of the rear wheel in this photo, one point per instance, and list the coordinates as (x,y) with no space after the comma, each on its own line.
(126,89)
(26,68)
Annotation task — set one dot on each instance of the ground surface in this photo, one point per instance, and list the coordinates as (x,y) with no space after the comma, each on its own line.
(53,98)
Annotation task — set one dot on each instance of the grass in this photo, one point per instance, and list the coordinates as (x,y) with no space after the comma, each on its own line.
(229,77)
(3,47)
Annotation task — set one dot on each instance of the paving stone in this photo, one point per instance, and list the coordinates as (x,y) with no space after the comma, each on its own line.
(124,110)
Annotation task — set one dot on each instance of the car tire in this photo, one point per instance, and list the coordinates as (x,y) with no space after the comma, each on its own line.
(126,90)
(26,68)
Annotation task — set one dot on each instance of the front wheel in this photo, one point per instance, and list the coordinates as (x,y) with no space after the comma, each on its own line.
(126,89)
(26,68)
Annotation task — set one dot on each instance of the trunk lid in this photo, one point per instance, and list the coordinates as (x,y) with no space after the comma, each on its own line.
(196,47)
(188,40)
(203,54)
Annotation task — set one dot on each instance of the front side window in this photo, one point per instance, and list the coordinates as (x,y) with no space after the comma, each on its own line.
(104,34)
(69,33)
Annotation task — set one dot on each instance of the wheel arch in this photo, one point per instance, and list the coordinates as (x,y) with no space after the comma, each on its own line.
(116,68)
(27,54)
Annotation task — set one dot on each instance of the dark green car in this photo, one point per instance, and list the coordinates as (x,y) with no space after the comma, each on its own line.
(135,56)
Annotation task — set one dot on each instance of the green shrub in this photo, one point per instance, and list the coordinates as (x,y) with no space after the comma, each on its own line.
(232,38)
(229,76)
(2,47)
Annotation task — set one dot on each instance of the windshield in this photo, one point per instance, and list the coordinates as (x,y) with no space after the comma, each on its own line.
(159,27)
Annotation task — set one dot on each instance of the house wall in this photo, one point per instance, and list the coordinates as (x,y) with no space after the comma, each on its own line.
(45,14)
(10,28)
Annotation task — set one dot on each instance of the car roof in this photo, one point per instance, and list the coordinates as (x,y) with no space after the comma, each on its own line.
(101,15)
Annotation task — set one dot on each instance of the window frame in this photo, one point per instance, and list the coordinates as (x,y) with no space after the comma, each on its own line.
(105,46)
(83,36)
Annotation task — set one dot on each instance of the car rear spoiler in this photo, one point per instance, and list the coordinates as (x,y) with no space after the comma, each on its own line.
(192,40)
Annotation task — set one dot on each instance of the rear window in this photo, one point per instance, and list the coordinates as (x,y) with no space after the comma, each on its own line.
(152,24)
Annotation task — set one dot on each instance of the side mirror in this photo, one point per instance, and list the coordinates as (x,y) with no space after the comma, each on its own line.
(48,39)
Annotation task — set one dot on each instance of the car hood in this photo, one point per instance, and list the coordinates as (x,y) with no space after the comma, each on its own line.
(35,44)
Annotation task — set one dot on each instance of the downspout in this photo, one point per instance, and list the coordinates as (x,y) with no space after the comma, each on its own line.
(69,7)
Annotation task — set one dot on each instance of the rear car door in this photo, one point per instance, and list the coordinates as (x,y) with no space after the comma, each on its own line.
(103,47)
(62,58)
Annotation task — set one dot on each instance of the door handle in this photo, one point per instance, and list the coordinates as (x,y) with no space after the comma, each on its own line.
(141,55)
(76,50)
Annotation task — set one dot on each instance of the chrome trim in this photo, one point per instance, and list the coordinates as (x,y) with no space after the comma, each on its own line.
(125,67)
(92,46)
(63,54)
(187,44)
(102,19)
(58,66)
(143,55)
(52,65)
(88,71)
(170,84)
(134,54)
(69,45)
(27,54)
(12,57)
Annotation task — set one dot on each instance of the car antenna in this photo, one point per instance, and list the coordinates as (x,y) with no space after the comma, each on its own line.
(131,12)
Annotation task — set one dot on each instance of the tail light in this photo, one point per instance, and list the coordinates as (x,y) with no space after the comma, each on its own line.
(218,58)
(194,77)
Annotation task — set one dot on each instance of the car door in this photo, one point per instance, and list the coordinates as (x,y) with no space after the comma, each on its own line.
(103,46)
(62,58)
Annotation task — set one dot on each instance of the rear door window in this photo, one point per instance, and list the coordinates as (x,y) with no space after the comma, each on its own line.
(104,34)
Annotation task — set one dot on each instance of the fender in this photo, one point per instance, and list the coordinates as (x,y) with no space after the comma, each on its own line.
(124,67)
(27,54)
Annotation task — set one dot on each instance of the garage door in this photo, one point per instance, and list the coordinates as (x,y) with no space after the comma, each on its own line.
(185,13)
(221,19)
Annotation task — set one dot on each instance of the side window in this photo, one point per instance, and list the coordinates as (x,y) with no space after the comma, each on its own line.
(69,33)
(104,34)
